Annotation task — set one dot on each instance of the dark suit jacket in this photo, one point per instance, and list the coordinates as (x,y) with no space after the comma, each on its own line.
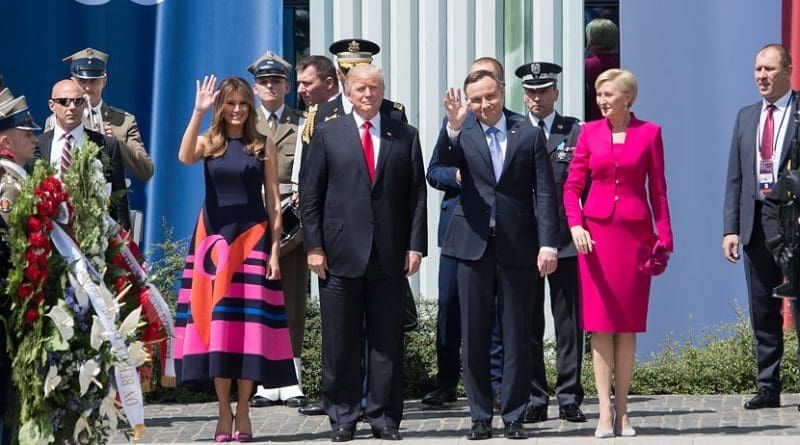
(560,147)
(344,214)
(115,171)
(520,229)
(443,178)
(335,108)
(740,185)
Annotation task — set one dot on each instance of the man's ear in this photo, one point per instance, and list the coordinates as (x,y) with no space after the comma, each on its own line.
(51,105)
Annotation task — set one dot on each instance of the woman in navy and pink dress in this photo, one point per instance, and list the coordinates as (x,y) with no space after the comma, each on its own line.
(624,158)
(231,322)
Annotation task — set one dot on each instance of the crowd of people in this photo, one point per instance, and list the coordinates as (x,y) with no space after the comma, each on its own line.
(528,198)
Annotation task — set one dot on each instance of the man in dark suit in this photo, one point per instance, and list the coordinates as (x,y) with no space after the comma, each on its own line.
(448,323)
(499,238)
(759,149)
(279,122)
(364,228)
(540,84)
(68,134)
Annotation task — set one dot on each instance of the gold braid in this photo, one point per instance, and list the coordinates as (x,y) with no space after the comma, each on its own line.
(308,128)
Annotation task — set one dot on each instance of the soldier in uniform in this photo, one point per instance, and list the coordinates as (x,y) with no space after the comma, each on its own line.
(280,123)
(539,80)
(88,67)
(17,144)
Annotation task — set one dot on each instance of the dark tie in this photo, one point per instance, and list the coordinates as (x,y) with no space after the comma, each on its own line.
(496,152)
(541,127)
(66,153)
(369,150)
(273,121)
(767,135)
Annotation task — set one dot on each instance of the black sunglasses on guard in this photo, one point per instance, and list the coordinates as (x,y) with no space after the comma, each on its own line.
(64,101)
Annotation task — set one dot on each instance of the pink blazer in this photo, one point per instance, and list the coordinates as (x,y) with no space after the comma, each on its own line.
(618,176)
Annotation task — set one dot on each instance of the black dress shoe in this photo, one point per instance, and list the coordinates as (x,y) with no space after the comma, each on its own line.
(440,396)
(315,408)
(480,430)
(534,413)
(295,402)
(764,399)
(571,412)
(514,430)
(386,433)
(497,397)
(342,435)
(260,402)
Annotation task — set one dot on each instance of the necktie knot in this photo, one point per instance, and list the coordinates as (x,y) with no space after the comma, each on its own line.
(492,131)
(366,125)
(369,150)
(771,108)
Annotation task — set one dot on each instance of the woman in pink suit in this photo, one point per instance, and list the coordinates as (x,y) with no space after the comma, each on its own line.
(620,154)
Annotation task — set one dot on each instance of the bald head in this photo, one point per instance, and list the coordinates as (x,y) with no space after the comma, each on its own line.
(67,103)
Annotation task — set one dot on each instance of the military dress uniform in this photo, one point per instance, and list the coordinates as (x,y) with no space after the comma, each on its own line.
(14,113)
(91,64)
(562,136)
(282,128)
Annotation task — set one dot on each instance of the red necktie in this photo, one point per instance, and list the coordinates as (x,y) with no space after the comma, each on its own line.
(369,150)
(66,153)
(767,134)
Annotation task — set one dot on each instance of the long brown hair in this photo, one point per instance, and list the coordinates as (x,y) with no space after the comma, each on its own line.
(217,134)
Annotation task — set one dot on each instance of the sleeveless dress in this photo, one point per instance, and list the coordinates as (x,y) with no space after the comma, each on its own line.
(231,320)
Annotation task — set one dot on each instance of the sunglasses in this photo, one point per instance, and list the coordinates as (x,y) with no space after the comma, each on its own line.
(65,101)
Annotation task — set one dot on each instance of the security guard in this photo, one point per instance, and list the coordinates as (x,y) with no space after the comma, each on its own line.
(280,123)
(350,52)
(88,67)
(17,144)
(540,83)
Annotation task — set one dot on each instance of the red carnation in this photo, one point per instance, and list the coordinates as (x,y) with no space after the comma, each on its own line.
(31,315)
(38,191)
(121,282)
(38,240)
(44,208)
(39,297)
(32,273)
(30,256)
(48,225)
(42,275)
(41,261)
(25,291)
(34,224)
(119,261)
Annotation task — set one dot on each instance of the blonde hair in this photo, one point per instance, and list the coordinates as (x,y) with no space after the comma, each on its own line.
(363,71)
(603,34)
(623,79)
(216,136)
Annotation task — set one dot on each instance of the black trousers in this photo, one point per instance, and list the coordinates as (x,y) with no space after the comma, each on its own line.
(485,288)
(6,392)
(569,337)
(448,325)
(370,305)
(762,276)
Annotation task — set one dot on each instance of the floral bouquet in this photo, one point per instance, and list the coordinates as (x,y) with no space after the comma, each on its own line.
(77,346)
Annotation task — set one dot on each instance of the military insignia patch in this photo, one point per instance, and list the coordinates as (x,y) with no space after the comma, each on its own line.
(398,106)
(334,116)
(5,205)
(353,47)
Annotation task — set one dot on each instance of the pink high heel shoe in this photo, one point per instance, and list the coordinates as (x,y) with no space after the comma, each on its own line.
(242,437)
(223,437)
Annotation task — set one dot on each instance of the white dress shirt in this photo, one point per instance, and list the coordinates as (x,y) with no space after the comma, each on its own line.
(57,146)
(781,118)
(374,132)
(548,122)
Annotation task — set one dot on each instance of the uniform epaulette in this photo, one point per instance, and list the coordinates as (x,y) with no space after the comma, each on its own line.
(119,110)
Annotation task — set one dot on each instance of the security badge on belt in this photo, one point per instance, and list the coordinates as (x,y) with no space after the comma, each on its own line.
(766,176)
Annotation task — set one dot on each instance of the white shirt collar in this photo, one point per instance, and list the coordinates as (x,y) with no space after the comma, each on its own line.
(77,133)
(375,121)
(781,103)
(11,165)
(501,125)
(278,114)
(548,121)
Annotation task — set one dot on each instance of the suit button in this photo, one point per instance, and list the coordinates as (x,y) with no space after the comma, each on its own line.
(616,198)
(616,182)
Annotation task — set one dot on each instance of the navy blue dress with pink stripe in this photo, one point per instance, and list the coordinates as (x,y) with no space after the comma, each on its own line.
(231,320)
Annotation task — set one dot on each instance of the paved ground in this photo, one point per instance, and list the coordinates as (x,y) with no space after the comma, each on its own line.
(696,420)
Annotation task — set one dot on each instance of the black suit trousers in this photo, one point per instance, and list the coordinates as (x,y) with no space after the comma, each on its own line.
(569,337)
(371,304)
(484,287)
(762,276)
